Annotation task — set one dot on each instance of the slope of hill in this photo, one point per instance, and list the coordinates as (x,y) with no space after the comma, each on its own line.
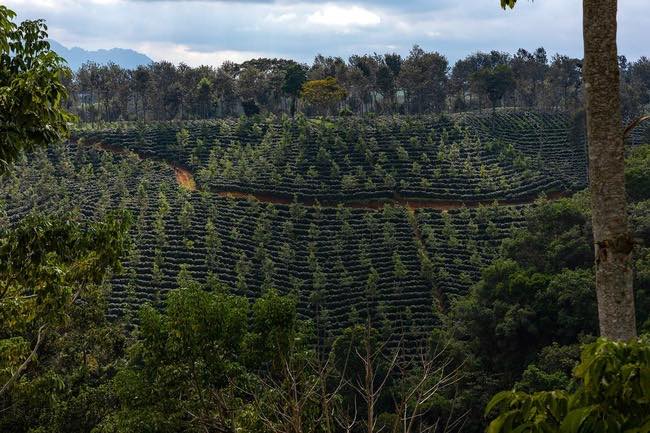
(342,256)
(76,56)
(466,158)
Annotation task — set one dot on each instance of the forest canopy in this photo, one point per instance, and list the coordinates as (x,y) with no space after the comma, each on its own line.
(422,82)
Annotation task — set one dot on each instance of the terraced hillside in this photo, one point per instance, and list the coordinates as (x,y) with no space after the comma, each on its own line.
(468,158)
(550,142)
(640,134)
(343,259)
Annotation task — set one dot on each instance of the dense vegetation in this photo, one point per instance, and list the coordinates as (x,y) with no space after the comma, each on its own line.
(337,259)
(422,82)
(397,261)
(395,280)
(270,315)
(470,158)
(523,322)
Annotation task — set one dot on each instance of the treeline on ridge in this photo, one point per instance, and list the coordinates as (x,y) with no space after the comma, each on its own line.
(422,82)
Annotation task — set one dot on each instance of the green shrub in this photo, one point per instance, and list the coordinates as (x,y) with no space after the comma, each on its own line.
(611,394)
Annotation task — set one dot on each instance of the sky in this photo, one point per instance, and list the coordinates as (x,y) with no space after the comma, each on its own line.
(209,32)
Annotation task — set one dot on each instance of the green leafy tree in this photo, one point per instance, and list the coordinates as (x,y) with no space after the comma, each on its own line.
(294,78)
(423,77)
(46,264)
(204,95)
(494,82)
(183,369)
(32,91)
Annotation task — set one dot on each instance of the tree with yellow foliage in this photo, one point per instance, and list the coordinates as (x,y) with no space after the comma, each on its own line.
(323,94)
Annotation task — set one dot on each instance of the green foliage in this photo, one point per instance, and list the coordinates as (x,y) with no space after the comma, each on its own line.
(183,363)
(612,394)
(295,77)
(540,291)
(274,326)
(551,370)
(50,275)
(46,261)
(637,173)
(191,364)
(514,312)
(557,236)
(494,82)
(31,89)
(522,322)
(68,388)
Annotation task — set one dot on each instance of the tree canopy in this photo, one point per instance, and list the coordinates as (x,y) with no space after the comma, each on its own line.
(324,94)
(32,90)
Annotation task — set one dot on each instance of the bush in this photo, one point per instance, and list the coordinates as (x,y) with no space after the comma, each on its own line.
(611,394)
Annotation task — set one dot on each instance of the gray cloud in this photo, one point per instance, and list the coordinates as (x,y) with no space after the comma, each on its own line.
(206,31)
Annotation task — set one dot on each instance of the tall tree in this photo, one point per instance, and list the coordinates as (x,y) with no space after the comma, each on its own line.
(204,94)
(529,70)
(494,82)
(565,80)
(295,76)
(423,76)
(612,238)
(140,82)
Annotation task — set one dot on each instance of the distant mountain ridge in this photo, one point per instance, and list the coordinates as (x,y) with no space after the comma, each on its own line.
(76,56)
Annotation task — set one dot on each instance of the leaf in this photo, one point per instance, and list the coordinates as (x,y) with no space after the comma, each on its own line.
(574,419)
(496,426)
(496,400)
(645,428)
(522,428)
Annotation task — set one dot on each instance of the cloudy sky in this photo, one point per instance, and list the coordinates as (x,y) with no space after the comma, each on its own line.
(209,32)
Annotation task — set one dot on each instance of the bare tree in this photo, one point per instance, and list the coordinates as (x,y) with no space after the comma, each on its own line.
(422,378)
(299,399)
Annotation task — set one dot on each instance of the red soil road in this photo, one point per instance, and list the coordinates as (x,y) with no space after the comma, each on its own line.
(379,204)
(185,179)
(183,176)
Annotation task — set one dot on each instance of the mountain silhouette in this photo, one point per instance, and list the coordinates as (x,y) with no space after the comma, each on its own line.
(76,56)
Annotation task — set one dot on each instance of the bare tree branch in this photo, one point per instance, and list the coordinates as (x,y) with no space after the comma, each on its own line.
(633,124)
(24,365)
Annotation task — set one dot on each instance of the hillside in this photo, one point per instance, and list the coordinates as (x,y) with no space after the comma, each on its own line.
(467,158)
(342,246)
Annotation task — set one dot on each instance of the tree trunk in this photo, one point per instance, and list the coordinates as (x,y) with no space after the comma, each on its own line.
(370,389)
(293,107)
(612,238)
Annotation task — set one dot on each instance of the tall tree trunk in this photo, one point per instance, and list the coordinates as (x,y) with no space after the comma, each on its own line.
(612,238)
(369,383)
(293,106)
